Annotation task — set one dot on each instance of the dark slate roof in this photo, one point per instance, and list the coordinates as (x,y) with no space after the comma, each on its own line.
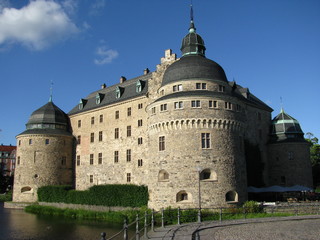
(108,95)
(47,132)
(193,67)
(286,128)
(50,114)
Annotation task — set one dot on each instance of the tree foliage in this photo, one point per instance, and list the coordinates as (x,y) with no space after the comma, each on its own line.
(314,149)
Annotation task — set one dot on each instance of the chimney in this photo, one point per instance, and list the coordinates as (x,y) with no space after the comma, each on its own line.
(122,79)
(146,71)
(103,86)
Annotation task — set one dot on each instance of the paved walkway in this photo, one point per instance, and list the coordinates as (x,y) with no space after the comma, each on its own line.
(280,228)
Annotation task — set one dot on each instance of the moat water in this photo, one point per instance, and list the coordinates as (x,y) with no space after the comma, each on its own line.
(15,224)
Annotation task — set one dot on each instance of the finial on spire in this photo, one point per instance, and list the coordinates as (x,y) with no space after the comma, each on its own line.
(191,28)
(51,87)
(281,111)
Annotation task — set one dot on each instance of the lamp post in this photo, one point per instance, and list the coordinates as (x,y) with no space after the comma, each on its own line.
(199,169)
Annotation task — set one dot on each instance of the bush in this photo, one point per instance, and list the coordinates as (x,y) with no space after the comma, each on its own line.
(6,197)
(106,195)
(252,207)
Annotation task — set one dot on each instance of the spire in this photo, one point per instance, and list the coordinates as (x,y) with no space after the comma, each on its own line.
(192,27)
(51,86)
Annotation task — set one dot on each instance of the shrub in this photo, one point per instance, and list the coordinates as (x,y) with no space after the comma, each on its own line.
(252,207)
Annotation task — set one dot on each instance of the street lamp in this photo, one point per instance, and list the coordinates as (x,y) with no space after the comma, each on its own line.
(199,169)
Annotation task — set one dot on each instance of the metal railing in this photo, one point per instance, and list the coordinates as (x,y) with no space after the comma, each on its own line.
(178,216)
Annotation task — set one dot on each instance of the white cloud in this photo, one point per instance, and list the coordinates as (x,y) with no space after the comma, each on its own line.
(37,25)
(105,55)
(97,6)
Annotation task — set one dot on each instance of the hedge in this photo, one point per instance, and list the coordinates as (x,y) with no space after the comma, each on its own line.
(127,195)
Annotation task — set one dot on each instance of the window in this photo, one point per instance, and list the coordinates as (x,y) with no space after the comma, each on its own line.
(47,141)
(100,136)
(195,104)
(128,131)
(163,175)
(139,140)
(92,137)
(221,88)
(201,86)
(116,114)
(139,122)
(208,174)
(118,92)
(162,92)
(213,104)
(163,107)
(101,118)
(178,105)
(116,156)
(290,155)
(162,143)
(128,155)
(100,158)
(116,133)
(30,141)
(91,178)
(129,111)
(98,98)
(92,120)
(79,139)
(78,160)
(128,177)
(140,105)
(19,142)
(205,140)
(79,123)
(177,88)
(182,196)
(231,196)
(139,86)
(64,160)
(140,163)
(153,110)
(91,159)
(19,160)
(228,105)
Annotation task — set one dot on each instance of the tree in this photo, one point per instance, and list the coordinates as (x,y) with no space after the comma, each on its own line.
(314,149)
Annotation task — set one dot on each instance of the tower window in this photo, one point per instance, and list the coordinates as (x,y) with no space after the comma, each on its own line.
(178,105)
(101,118)
(228,105)
(163,107)
(128,155)
(153,110)
(91,178)
(100,158)
(92,137)
(116,114)
(177,88)
(64,160)
(129,111)
(91,159)
(139,122)
(47,141)
(201,86)
(205,140)
(222,88)
(162,143)
(18,160)
(140,105)
(116,156)
(30,141)
(128,177)
(195,104)
(100,136)
(116,133)
(79,139)
(92,120)
(79,123)
(78,160)
(128,131)
(140,163)
(139,140)
(213,104)
(290,155)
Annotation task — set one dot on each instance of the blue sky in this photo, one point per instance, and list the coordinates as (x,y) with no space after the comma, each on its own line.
(270,46)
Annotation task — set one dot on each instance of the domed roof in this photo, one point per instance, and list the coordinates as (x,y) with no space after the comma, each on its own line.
(193,67)
(285,127)
(192,43)
(48,113)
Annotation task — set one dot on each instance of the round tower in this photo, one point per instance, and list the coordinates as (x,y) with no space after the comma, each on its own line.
(196,140)
(44,153)
(289,153)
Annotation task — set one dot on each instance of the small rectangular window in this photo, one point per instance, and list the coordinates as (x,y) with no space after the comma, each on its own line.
(140,163)
(153,110)
(128,177)
(139,140)
(92,120)
(91,178)
(91,159)
(213,104)
(19,142)
(128,131)
(116,114)
(79,123)
(101,118)
(178,105)
(47,141)
(139,122)
(100,158)
(163,107)
(205,140)
(92,137)
(78,160)
(128,155)
(79,139)
(100,136)
(228,105)
(195,104)
(63,160)
(129,111)
(162,146)
(116,133)
(140,106)
(222,88)
(18,160)
(201,86)
(177,88)
(30,141)
(116,156)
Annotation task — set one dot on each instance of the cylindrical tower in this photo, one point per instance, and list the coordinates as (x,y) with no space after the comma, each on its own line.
(44,153)
(289,153)
(196,140)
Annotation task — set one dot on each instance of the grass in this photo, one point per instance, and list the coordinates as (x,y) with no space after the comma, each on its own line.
(6,197)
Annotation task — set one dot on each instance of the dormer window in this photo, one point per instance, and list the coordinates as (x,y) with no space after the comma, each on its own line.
(99,97)
(139,86)
(82,103)
(118,92)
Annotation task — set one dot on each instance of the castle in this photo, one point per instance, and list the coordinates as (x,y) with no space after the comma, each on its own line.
(184,130)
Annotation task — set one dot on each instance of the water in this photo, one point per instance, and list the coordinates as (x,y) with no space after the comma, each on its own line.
(15,224)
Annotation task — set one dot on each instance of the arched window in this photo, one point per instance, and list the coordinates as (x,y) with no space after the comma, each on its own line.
(26,189)
(163,175)
(183,196)
(208,175)
(232,196)
(139,86)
